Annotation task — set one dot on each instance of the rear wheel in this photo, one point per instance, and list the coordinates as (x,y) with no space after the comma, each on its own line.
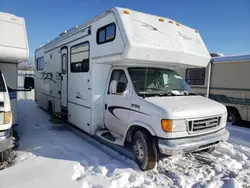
(233,116)
(144,147)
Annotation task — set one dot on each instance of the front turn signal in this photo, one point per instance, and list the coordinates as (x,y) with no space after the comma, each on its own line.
(167,125)
(7,117)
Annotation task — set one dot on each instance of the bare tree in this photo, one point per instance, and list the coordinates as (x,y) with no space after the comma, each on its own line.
(27,65)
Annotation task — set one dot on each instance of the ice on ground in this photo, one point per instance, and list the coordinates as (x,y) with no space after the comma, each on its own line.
(53,156)
(239,135)
(229,150)
(231,183)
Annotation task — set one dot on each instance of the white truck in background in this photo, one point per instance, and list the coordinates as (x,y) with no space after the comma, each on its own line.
(13,50)
(114,77)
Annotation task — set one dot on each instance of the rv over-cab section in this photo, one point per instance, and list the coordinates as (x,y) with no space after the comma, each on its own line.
(13,39)
(133,36)
(13,50)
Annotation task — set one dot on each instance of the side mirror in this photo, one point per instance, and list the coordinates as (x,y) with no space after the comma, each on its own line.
(29,83)
(113,87)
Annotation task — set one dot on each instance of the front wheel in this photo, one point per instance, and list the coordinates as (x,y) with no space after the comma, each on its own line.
(144,147)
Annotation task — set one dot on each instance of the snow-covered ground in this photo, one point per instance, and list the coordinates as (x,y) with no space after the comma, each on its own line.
(51,156)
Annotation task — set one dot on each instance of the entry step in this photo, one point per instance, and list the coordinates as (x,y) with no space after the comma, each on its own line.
(109,137)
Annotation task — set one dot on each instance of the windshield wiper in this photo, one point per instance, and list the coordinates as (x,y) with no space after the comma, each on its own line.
(185,92)
(165,92)
(192,93)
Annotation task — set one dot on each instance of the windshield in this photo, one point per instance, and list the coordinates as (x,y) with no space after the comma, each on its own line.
(158,82)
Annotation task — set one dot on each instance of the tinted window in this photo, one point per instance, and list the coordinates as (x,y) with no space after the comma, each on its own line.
(110,32)
(106,33)
(102,36)
(40,63)
(121,80)
(80,58)
(195,76)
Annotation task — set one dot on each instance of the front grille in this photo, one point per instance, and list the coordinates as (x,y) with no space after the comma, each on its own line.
(203,124)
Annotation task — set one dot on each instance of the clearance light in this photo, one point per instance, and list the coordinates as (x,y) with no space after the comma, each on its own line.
(161,20)
(7,117)
(126,12)
(170,21)
(167,125)
(177,24)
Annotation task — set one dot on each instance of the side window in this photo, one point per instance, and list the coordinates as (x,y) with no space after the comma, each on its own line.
(40,63)
(195,76)
(64,63)
(118,82)
(106,33)
(80,58)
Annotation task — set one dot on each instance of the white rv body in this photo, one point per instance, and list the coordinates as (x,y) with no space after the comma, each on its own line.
(74,73)
(228,84)
(13,50)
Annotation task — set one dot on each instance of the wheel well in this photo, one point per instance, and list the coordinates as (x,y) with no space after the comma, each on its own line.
(233,109)
(50,105)
(132,131)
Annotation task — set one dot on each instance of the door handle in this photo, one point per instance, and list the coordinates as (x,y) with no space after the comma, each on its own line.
(105,106)
(135,106)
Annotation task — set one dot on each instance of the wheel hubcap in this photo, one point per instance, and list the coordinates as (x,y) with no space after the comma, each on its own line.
(138,150)
(231,118)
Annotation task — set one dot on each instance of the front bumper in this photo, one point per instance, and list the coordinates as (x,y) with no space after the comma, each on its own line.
(192,144)
(5,139)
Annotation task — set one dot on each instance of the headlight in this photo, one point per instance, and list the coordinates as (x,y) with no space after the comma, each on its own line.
(169,126)
(179,125)
(7,117)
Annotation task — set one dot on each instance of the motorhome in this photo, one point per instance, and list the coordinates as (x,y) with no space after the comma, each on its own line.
(113,77)
(13,50)
(226,80)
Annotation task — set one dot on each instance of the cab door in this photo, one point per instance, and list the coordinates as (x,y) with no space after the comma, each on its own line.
(117,102)
(64,77)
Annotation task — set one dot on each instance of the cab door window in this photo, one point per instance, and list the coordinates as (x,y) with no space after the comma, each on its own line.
(118,82)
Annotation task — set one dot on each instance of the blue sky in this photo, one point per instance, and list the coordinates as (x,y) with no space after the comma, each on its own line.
(224,24)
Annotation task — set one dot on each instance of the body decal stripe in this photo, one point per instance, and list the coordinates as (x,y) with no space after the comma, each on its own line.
(112,108)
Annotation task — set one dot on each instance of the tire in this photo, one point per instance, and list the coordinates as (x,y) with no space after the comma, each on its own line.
(145,151)
(4,156)
(233,116)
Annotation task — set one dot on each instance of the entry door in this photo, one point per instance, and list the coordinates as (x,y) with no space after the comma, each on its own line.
(64,78)
(117,102)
